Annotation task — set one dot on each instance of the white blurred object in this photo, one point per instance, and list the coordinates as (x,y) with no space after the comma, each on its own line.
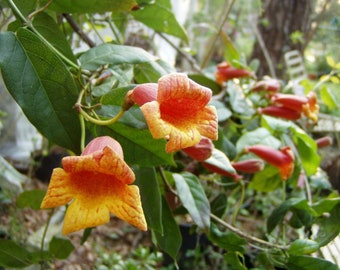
(18,137)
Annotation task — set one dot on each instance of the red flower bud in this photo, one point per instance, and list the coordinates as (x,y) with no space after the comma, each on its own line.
(270,85)
(226,72)
(283,159)
(220,171)
(290,101)
(144,93)
(248,166)
(280,111)
(99,143)
(200,151)
(324,141)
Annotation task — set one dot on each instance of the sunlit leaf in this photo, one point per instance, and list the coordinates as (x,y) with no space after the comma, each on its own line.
(328,98)
(92,6)
(220,160)
(266,180)
(303,246)
(159,16)
(193,197)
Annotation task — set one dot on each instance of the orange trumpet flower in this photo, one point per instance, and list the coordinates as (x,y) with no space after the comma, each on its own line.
(176,109)
(94,184)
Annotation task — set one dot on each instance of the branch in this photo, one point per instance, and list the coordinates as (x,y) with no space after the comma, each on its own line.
(78,30)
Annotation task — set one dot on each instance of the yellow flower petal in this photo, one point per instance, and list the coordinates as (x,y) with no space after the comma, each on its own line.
(58,191)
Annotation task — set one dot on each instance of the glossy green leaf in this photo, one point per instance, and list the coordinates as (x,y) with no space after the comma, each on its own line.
(92,6)
(227,240)
(237,101)
(193,197)
(307,149)
(152,71)
(31,198)
(207,82)
(42,86)
(111,54)
(328,98)
(309,263)
(159,16)
(49,29)
(60,248)
(328,226)
(138,144)
(302,247)
(171,239)
(220,160)
(13,255)
(266,180)
(300,218)
(258,136)
(223,113)
(151,198)
(231,54)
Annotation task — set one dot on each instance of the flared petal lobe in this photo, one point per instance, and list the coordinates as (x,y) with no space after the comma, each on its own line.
(180,114)
(95,184)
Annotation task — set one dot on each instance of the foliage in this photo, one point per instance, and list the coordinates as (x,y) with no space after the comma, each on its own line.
(253,219)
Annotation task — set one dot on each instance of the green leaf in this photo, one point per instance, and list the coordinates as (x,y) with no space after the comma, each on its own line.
(278,213)
(275,124)
(92,6)
(159,16)
(328,98)
(193,197)
(307,149)
(238,103)
(150,192)
(152,71)
(309,263)
(207,82)
(31,198)
(48,28)
(227,240)
(328,226)
(219,205)
(223,113)
(300,218)
(171,239)
(258,136)
(325,205)
(60,248)
(139,146)
(220,160)
(13,255)
(302,247)
(42,86)
(231,54)
(266,180)
(234,260)
(114,55)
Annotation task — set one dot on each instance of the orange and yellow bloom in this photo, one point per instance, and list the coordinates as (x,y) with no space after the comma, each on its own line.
(283,159)
(177,109)
(95,184)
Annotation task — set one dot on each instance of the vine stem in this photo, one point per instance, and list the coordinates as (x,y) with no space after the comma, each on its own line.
(30,26)
(246,236)
(223,223)
(44,236)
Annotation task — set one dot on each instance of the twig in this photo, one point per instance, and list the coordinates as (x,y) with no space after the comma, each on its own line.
(78,30)
(246,236)
(216,35)
(30,16)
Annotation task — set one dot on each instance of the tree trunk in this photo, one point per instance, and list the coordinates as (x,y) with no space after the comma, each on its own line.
(279,20)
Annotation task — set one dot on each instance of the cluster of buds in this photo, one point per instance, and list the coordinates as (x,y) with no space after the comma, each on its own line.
(292,107)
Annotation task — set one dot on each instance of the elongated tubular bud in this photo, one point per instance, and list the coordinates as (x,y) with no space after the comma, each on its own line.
(200,151)
(248,166)
(324,141)
(215,169)
(290,101)
(270,85)
(280,111)
(226,72)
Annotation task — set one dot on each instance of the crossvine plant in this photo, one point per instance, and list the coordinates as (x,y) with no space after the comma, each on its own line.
(157,148)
